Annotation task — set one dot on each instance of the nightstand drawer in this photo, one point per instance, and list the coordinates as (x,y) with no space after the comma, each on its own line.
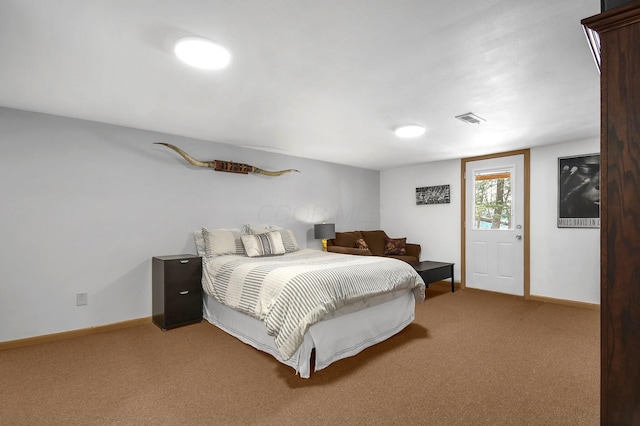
(183,271)
(183,306)
(177,290)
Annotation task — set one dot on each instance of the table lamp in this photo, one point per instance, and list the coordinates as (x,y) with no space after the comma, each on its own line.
(324,231)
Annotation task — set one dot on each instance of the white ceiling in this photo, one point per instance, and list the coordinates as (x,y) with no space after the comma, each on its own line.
(327,80)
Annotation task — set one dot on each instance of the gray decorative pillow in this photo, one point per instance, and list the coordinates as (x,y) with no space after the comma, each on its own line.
(266,244)
(288,238)
(222,242)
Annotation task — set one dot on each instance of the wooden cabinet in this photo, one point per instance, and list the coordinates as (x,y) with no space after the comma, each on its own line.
(177,290)
(619,33)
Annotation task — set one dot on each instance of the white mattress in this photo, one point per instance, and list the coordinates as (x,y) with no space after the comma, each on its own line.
(344,333)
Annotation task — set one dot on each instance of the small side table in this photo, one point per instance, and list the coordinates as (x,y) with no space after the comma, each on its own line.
(176,290)
(435,271)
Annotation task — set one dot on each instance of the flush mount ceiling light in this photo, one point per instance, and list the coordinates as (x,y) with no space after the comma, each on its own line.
(202,53)
(410,131)
(470,118)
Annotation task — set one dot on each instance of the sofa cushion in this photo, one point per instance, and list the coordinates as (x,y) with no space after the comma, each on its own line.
(349,250)
(347,239)
(376,241)
(397,246)
(413,251)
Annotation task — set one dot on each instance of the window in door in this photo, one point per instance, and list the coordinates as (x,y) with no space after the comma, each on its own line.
(492,208)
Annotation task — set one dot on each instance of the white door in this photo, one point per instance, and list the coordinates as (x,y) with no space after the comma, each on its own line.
(494,224)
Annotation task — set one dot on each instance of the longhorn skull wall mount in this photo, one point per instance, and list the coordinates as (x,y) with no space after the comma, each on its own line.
(225,166)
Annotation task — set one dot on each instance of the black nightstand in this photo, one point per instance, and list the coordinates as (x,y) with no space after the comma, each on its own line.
(177,290)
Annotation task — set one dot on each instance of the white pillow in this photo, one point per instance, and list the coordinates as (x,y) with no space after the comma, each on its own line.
(260,229)
(199,240)
(221,242)
(288,238)
(265,244)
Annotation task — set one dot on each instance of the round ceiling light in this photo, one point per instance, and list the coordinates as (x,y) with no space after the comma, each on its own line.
(410,131)
(202,53)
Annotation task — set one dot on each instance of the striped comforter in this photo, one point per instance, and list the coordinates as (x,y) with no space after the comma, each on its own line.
(289,293)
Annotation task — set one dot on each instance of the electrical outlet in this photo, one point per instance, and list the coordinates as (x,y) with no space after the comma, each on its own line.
(82,299)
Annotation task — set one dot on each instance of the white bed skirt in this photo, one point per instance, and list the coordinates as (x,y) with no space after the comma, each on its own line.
(348,332)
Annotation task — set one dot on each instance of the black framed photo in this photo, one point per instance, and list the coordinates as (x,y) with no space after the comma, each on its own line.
(579,191)
(440,194)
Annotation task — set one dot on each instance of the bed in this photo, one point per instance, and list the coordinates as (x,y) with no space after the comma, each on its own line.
(290,302)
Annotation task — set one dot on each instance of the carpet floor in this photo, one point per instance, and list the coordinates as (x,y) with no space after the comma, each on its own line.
(469,358)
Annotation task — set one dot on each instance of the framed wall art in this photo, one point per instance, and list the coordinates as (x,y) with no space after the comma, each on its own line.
(579,191)
(440,194)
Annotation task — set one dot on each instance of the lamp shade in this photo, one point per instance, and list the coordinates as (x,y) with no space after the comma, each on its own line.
(324,231)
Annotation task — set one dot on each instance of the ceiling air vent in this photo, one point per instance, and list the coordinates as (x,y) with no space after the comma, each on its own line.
(470,118)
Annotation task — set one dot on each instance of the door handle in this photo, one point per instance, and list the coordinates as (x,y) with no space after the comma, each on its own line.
(518,236)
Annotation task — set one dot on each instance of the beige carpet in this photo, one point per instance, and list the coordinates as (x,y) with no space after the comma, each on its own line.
(470,358)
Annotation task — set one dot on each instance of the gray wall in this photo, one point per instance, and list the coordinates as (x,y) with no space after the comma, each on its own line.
(86,205)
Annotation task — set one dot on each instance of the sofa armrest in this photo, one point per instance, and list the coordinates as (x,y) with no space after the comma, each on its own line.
(349,250)
(414,250)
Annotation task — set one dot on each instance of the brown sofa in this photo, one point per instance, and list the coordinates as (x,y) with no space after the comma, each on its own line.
(377,241)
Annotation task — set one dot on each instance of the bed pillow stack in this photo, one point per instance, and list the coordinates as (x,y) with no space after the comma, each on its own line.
(224,242)
(288,239)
